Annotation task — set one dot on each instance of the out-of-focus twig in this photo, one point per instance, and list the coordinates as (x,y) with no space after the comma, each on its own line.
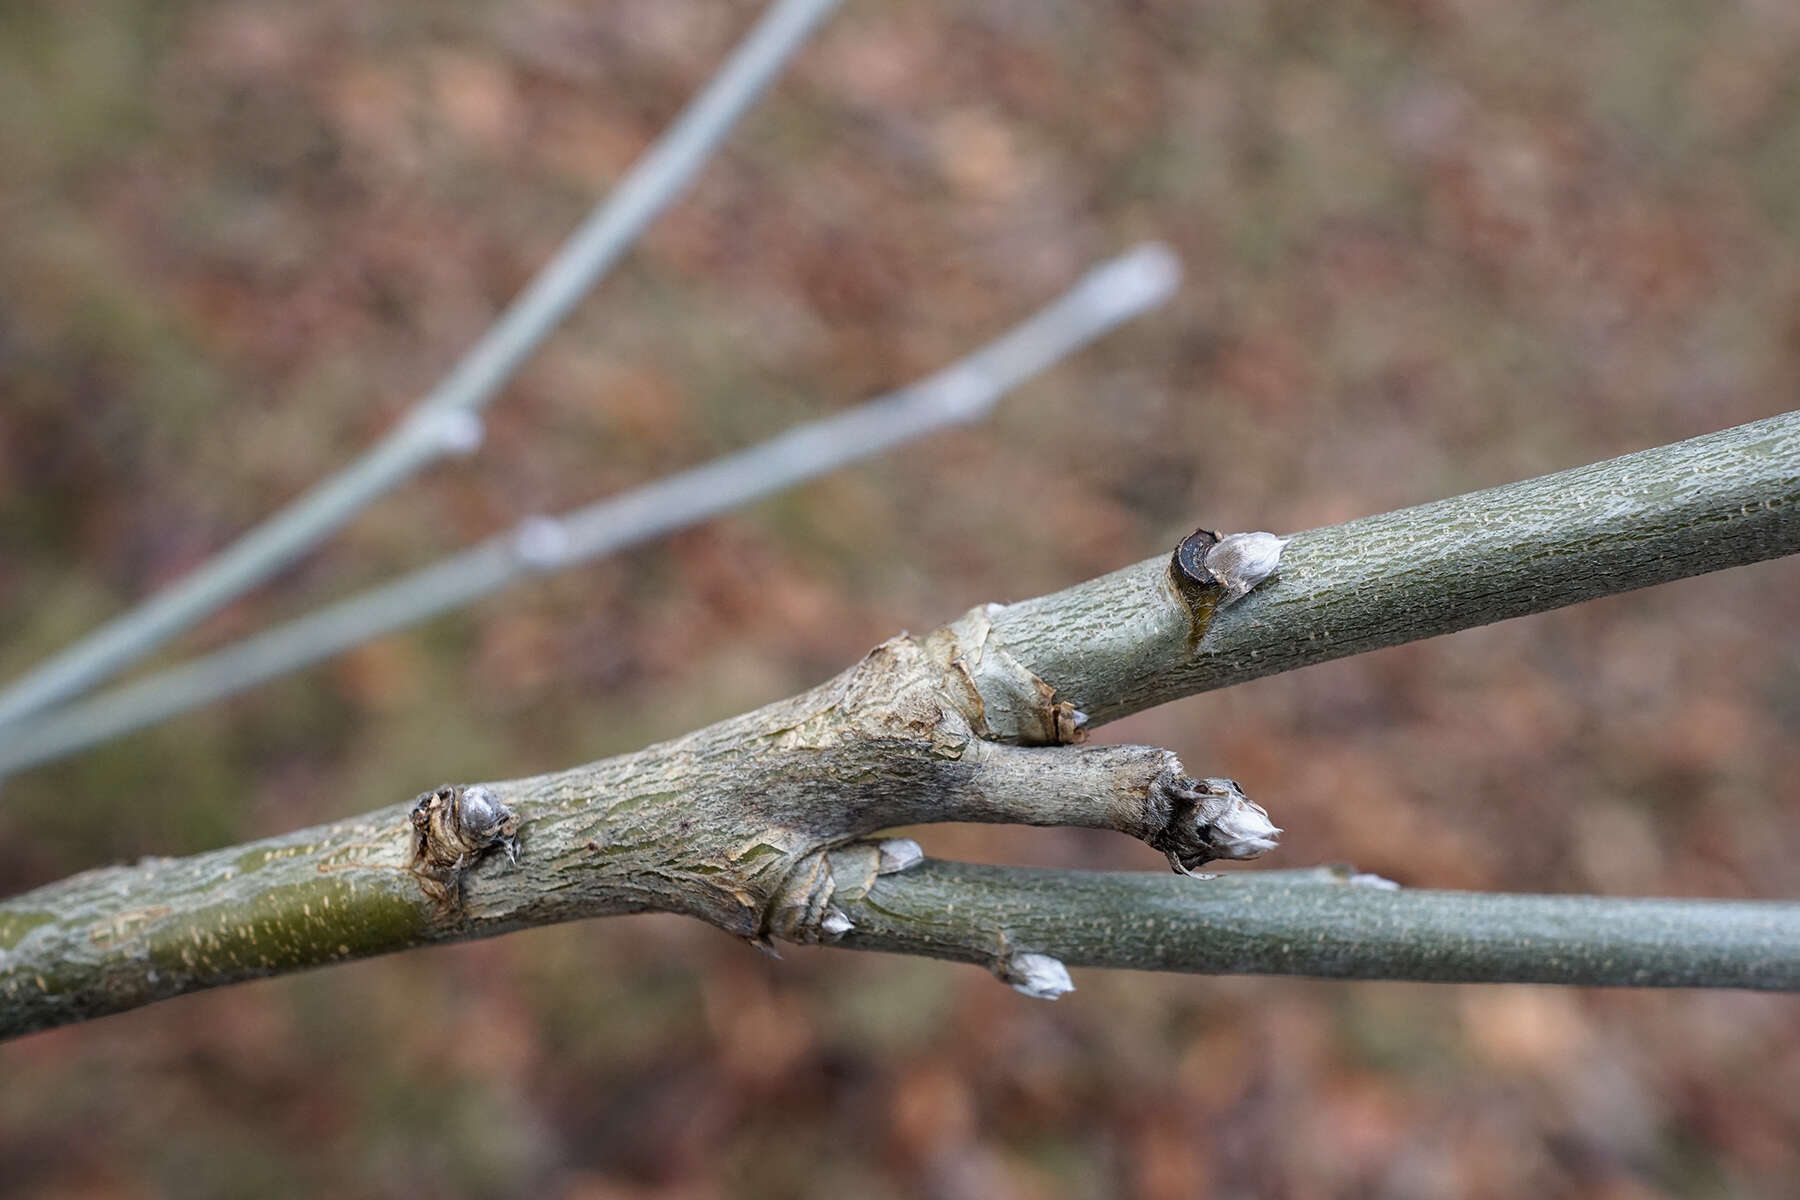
(963,392)
(445,421)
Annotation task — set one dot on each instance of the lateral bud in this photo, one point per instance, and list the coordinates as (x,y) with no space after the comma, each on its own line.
(1212,572)
(453,827)
(897,855)
(1240,561)
(1036,975)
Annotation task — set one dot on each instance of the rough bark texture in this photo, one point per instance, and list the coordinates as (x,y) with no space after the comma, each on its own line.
(752,824)
(726,824)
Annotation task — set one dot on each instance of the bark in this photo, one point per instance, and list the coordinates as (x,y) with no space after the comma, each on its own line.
(1119,644)
(726,824)
(1327,922)
(760,824)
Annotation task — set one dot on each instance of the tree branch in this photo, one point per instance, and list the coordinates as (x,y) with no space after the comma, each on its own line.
(1323,922)
(1121,643)
(445,421)
(759,824)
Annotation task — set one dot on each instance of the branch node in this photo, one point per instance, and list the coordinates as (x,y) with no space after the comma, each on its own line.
(453,826)
(1212,572)
(541,543)
(804,908)
(803,911)
(1002,700)
(451,431)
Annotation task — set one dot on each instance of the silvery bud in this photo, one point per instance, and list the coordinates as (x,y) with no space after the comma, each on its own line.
(1243,830)
(479,810)
(898,854)
(1240,561)
(1036,975)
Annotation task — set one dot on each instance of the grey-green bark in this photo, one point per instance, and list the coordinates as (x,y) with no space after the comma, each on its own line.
(759,824)
(1117,644)
(1326,922)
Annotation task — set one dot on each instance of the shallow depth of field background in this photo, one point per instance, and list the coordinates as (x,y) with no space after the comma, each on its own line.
(1432,245)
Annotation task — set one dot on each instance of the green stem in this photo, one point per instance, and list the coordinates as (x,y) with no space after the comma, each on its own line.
(1324,923)
(1121,643)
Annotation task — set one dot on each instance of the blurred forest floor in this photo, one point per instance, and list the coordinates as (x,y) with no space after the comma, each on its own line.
(1433,245)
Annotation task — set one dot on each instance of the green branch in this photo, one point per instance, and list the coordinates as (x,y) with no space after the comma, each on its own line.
(1120,643)
(1325,922)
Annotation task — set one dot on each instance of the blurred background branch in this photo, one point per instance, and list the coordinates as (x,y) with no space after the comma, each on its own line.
(446,421)
(961,393)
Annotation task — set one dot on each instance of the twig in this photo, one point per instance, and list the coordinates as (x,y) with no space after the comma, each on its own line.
(446,420)
(1122,643)
(1325,922)
(961,393)
(111,940)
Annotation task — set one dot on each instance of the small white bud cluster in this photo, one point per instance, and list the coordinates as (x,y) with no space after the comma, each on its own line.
(1212,819)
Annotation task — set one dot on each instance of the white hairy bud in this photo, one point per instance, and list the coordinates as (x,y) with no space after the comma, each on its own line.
(480,810)
(1036,975)
(1240,561)
(899,854)
(1243,830)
